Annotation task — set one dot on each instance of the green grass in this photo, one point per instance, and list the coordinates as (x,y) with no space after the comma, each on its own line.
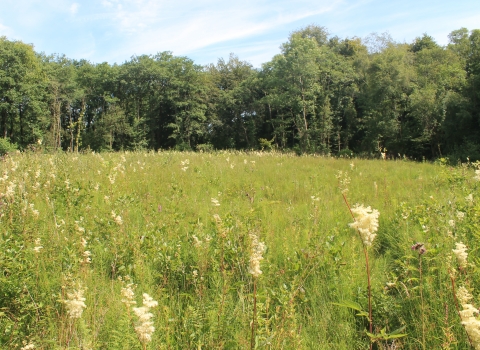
(205,292)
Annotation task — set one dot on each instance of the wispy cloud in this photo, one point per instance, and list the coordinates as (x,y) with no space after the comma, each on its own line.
(186,27)
(114,30)
(74,8)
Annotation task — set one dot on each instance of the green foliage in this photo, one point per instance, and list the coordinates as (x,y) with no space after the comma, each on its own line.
(6,146)
(99,221)
(322,94)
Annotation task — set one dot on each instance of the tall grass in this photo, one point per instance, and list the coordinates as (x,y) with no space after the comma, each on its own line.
(178,227)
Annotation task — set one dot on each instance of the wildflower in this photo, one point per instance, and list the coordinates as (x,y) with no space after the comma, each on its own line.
(145,326)
(10,190)
(196,242)
(86,257)
(352,166)
(469,198)
(420,248)
(463,295)
(185,168)
(469,317)
(215,202)
(256,255)
(366,223)
(343,181)
(461,254)
(451,223)
(35,212)
(128,294)
(217,218)
(477,175)
(117,218)
(28,346)
(460,215)
(75,303)
(38,245)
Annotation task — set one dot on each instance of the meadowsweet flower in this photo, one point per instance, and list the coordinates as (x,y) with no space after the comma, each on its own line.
(463,295)
(10,190)
(215,202)
(256,255)
(451,223)
(196,242)
(117,218)
(469,317)
(343,181)
(128,295)
(38,245)
(75,303)
(185,168)
(469,198)
(86,257)
(461,254)
(366,223)
(460,215)
(145,326)
(477,175)
(28,346)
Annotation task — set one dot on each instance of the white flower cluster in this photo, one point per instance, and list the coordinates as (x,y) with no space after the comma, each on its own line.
(38,245)
(145,326)
(128,294)
(461,254)
(256,255)
(366,223)
(75,303)
(477,175)
(117,218)
(469,317)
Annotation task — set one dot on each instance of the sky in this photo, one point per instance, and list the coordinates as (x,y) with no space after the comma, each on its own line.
(205,30)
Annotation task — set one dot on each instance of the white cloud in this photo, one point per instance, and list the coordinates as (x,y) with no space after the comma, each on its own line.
(153,26)
(74,8)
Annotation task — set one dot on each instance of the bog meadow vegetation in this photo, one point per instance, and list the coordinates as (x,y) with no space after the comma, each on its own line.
(236,250)
(126,224)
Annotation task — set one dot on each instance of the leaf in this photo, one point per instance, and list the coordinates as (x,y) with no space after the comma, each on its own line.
(350,304)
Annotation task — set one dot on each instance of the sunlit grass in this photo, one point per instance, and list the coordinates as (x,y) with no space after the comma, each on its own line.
(149,217)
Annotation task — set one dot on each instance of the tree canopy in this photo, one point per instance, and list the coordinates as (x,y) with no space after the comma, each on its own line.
(320,94)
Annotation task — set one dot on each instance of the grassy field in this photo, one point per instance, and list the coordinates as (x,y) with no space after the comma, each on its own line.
(163,251)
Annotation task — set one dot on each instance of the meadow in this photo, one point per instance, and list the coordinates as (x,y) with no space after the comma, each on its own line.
(233,250)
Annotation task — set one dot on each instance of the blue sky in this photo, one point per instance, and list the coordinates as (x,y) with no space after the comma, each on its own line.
(205,30)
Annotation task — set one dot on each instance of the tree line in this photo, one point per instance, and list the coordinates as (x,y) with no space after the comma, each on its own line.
(321,94)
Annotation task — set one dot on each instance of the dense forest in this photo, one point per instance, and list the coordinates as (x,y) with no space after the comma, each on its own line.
(321,94)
